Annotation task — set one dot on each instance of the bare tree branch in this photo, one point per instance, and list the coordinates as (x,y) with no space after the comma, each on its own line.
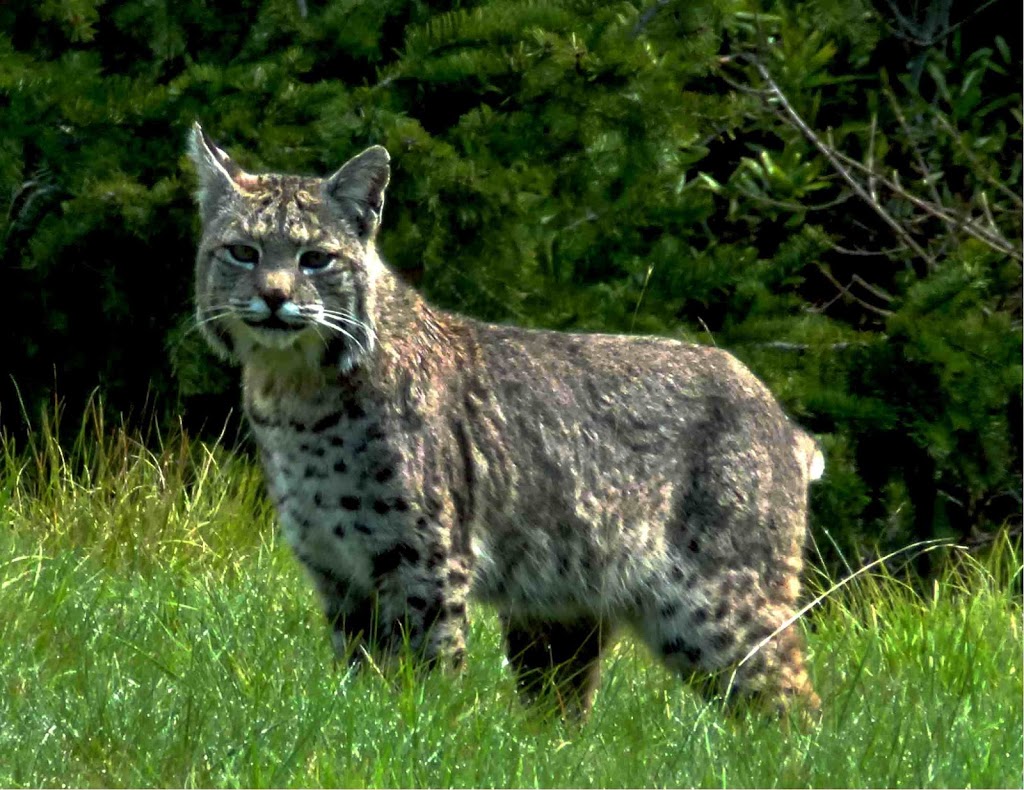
(832,156)
(874,290)
(784,345)
(928,33)
(975,163)
(966,223)
(866,253)
(983,228)
(844,290)
(786,204)
(908,133)
(646,17)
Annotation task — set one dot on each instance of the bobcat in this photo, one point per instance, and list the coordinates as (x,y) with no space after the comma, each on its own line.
(576,482)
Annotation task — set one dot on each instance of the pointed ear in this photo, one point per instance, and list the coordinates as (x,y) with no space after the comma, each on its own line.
(356,191)
(218,175)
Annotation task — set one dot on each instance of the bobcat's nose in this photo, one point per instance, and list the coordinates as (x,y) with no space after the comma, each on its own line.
(275,288)
(274,298)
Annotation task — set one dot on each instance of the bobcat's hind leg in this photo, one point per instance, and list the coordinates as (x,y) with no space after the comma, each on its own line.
(720,635)
(773,677)
(556,662)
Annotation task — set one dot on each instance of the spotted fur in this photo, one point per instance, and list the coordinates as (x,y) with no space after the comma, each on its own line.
(577,483)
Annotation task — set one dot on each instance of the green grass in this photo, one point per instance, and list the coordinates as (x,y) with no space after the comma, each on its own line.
(153,632)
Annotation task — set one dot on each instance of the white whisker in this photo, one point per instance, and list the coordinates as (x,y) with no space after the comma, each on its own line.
(352,320)
(324,322)
(211,314)
(341,313)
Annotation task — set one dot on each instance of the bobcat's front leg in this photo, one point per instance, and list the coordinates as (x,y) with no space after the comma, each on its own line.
(351,614)
(422,604)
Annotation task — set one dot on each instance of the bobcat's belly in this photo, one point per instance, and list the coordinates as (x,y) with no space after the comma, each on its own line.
(552,575)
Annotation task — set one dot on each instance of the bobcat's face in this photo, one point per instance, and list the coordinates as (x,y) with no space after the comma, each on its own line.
(275,265)
(286,260)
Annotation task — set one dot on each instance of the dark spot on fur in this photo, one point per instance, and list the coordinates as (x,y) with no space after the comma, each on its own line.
(463,500)
(339,531)
(337,441)
(416,602)
(432,507)
(421,523)
(360,527)
(389,560)
(722,640)
(262,419)
(383,475)
(381,506)
(676,646)
(327,421)
(693,546)
(350,502)
(354,411)
(457,609)
(699,616)
(400,504)
(759,632)
(728,586)
(722,610)
(375,432)
(669,610)
(436,558)
(318,499)
(457,577)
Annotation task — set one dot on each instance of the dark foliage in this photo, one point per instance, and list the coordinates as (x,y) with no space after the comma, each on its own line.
(829,188)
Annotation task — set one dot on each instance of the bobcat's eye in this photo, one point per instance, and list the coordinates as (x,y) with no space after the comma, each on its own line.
(315,260)
(243,254)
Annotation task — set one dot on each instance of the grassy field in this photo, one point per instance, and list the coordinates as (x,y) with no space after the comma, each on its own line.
(154,633)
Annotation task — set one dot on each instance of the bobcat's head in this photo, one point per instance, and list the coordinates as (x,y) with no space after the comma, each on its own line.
(288,262)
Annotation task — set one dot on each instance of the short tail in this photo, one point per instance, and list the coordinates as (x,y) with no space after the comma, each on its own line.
(811,457)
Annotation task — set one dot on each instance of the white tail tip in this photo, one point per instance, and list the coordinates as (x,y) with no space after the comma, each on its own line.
(817,465)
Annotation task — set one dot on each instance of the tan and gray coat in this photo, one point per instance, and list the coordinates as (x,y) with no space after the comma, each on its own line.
(577,483)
